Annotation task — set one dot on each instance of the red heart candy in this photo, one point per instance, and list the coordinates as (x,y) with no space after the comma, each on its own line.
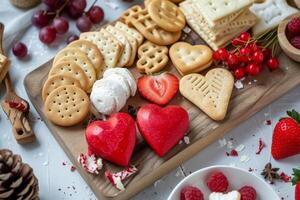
(162,128)
(114,139)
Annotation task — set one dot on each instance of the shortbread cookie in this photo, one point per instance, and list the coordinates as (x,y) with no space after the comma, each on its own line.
(152,58)
(125,57)
(142,21)
(166,15)
(56,81)
(69,68)
(125,73)
(270,13)
(67,105)
(83,62)
(92,52)
(190,59)
(110,48)
(4,66)
(211,93)
(130,31)
(215,10)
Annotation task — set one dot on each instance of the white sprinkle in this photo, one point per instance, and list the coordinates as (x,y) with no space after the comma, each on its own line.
(249,83)
(240,148)
(238,84)
(244,158)
(255,80)
(230,145)
(180,142)
(186,139)
(222,142)
(46,163)
(186,29)
(119,183)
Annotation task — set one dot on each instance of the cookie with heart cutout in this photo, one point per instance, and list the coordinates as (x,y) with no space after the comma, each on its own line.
(211,93)
(190,59)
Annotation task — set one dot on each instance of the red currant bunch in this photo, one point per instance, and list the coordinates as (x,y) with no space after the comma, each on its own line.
(247,57)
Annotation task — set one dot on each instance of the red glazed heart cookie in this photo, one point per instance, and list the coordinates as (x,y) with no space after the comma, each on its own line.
(162,128)
(114,139)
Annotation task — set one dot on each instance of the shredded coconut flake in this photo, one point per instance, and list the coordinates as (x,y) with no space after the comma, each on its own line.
(240,148)
(244,158)
(186,139)
(222,142)
(239,85)
(186,29)
(230,145)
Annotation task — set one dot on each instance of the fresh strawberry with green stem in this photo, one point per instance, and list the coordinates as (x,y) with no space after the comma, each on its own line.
(296,181)
(286,136)
(159,89)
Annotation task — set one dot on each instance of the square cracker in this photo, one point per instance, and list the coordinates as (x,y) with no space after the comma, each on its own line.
(270,13)
(110,47)
(130,31)
(4,66)
(214,10)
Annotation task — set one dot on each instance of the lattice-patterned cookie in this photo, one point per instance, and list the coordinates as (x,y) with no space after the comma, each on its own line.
(166,15)
(110,47)
(56,81)
(152,58)
(142,21)
(190,59)
(67,105)
(92,52)
(211,93)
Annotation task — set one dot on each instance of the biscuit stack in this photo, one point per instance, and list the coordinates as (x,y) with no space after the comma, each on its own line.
(218,21)
(160,22)
(4,66)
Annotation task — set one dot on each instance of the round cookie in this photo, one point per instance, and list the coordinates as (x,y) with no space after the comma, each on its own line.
(69,68)
(67,105)
(92,52)
(56,81)
(166,15)
(85,64)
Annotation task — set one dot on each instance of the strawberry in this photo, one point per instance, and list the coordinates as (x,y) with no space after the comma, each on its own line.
(247,193)
(159,89)
(217,182)
(191,193)
(286,136)
(296,181)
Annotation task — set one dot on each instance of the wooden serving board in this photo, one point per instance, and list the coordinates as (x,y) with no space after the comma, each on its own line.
(203,131)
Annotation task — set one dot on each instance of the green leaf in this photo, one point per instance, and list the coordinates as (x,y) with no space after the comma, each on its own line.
(295,115)
(296,176)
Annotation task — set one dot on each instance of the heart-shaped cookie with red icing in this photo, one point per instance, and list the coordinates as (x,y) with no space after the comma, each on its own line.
(190,59)
(162,128)
(114,139)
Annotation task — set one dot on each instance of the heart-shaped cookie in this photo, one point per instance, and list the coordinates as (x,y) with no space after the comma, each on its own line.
(162,128)
(190,59)
(114,139)
(211,93)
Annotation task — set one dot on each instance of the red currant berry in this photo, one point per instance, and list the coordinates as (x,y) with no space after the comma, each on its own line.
(258,57)
(216,56)
(253,47)
(239,73)
(267,53)
(237,42)
(273,63)
(232,60)
(19,50)
(243,59)
(245,51)
(245,36)
(223,54)
(253,69)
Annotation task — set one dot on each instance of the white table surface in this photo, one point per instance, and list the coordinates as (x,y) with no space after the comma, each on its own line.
(56,180)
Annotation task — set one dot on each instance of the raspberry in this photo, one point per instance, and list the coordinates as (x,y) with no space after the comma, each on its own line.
(191,193)
(217,182)
(247,193)
(296,42)
(294,26)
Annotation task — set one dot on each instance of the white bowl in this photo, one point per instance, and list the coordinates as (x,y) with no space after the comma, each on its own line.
(237,178)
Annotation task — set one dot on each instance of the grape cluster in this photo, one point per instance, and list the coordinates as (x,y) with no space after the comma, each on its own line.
(247,58)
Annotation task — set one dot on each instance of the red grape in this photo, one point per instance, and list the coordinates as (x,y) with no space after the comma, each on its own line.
(40,18)
(76,8)
(96,14)
(19,50)
(240,73)
(72,38)
(61,25)
(47,34)
(84,23)
(273,63)
(253,69)
(258,57)
(53,5)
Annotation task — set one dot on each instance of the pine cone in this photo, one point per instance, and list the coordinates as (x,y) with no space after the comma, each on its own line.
(17,181)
